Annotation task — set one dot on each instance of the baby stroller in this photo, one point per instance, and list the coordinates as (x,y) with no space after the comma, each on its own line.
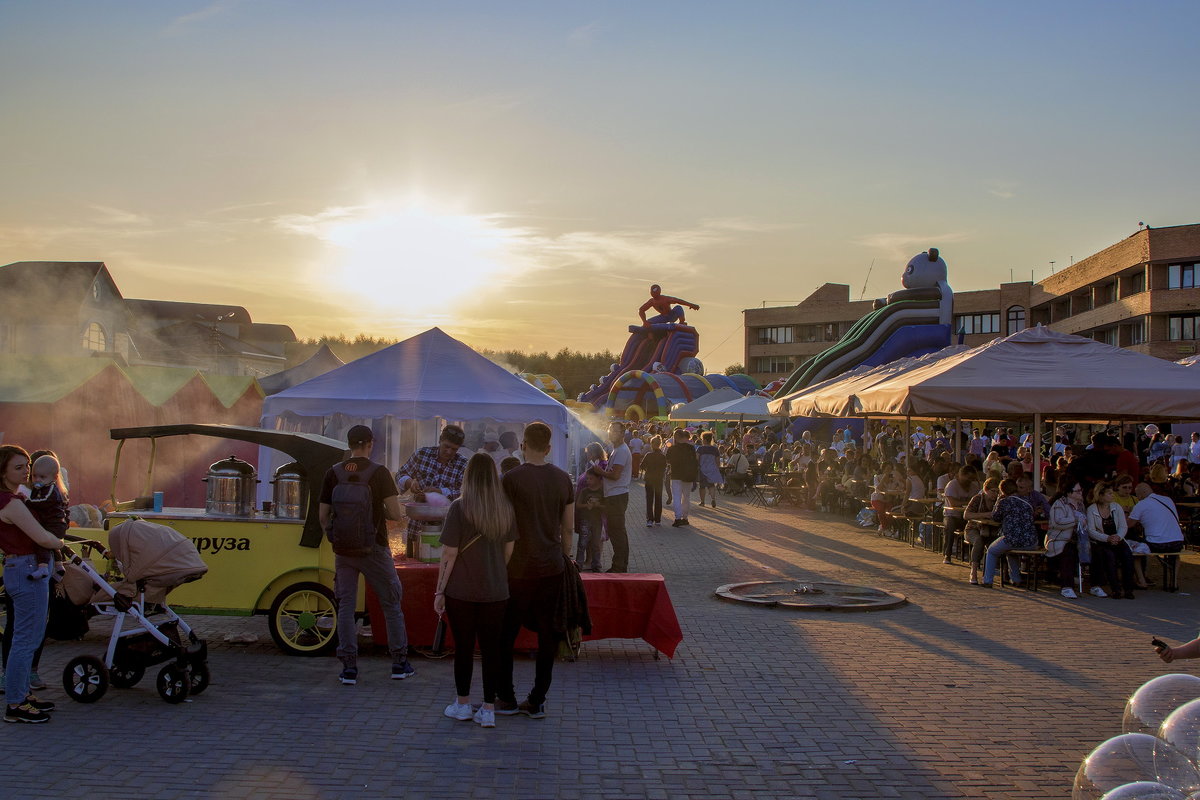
(146,561)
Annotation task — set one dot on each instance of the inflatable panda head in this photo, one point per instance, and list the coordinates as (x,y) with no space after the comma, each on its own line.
(924,271)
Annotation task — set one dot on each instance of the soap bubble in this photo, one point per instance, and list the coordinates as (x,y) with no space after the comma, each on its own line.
(1181,729)
(1144,790)
(1133,757)
(1151,704)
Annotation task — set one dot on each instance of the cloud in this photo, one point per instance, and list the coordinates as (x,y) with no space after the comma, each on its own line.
(213,9)
(1005,190)
(900,247)
(586,34)
(117,216)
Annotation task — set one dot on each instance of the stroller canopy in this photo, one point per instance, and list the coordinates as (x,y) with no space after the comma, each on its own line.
(157,554)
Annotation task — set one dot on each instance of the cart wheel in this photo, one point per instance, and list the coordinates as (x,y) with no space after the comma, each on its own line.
(85,679)
(200,677)
(126,677)
(174,683)
(303,620)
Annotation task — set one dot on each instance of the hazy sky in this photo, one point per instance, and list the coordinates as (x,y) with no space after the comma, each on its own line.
(519,172)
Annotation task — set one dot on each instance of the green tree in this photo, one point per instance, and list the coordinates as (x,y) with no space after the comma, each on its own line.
(735,369)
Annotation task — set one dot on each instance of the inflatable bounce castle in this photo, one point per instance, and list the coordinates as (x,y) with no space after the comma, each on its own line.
(658,367)
(911,322)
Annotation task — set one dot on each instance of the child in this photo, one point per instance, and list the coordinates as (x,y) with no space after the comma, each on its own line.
(589,502)
(48,502)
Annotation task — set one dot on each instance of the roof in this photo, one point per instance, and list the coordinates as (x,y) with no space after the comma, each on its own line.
(318,363)
(189,312)
(31,287)
(45,379)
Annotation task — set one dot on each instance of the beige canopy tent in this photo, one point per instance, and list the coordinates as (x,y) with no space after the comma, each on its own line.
(1039,372)
(834,397)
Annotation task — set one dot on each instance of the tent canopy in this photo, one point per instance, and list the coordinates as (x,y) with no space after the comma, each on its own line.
(318,363)
(693,411)
(1039,371)
(426,377)
(750,407)
(835,397)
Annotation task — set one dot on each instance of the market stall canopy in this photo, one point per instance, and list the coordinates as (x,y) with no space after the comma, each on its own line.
(752,406)
(835,397)
(691,412)
(428,376)
(318,363)
(1040,371)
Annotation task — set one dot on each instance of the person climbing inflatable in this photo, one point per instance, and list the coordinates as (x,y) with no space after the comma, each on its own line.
(662,303)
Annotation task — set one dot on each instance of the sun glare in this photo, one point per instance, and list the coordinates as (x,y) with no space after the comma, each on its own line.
(410,257)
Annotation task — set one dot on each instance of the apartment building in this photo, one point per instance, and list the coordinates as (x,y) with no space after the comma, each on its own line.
(1142,293)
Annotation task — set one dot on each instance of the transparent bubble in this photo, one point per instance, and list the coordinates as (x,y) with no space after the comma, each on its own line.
(1182,730)
(1153,703)
(1144,790)
(1133,757)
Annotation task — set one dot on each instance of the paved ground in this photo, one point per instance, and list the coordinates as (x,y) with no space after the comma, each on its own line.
(964,692)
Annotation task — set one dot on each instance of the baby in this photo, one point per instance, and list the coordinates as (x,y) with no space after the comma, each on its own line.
(48,502)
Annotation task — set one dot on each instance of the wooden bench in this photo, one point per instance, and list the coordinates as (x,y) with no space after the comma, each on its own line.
(1037,557)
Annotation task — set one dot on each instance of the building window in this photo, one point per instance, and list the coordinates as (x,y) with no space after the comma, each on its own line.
(978,323)
(1137,282)
(781,335)
(1108,336)
(1182,276)
(773,364)
(809,333)
(1183,328)
(94,338)
(1137,332)
(1106,293)
(1016,319)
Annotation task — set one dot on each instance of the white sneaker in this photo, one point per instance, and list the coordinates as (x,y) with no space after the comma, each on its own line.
(486,717)
(460,711)
(1097,591)
(1069,593)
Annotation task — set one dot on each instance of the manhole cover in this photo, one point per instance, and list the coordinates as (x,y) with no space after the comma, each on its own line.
(811,595)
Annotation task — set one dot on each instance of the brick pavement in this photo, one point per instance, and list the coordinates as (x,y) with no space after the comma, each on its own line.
(964,692)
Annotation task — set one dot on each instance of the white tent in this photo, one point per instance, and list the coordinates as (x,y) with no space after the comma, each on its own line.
(835,397)
(691,412)
(1040,371)
(408,391)
(753,407)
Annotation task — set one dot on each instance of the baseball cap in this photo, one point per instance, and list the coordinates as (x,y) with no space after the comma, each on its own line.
(491,436)
(359,435)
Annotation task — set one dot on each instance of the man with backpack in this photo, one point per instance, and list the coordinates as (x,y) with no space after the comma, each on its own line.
(356,497)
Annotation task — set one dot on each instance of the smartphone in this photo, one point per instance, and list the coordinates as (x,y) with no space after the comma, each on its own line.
(1159,644)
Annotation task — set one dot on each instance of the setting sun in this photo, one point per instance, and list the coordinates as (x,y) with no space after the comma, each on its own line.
(400,255)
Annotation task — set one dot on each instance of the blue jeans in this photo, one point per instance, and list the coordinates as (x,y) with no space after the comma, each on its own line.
(380,572)
(30,599)
(997,549)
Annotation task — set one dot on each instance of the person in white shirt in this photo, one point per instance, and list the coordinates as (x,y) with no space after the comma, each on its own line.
(1194,449)
(616,496)
(636,448)
(1160,524)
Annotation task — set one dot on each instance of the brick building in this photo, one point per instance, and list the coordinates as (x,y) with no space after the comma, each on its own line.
(1142,293)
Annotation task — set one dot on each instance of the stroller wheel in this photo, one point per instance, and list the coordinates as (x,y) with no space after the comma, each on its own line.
(174,683)
(200,677)
(85,679)
(127,677)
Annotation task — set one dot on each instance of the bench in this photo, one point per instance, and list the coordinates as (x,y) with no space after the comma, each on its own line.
(1037,557)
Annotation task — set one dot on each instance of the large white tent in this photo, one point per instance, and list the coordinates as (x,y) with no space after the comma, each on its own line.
(752,407)
(406,392)
(1041,372)
(691,412)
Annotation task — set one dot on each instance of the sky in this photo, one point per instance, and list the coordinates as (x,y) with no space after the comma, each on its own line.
(519,173)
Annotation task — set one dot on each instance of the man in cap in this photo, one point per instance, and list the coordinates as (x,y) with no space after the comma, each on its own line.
(434,469)
(377,567)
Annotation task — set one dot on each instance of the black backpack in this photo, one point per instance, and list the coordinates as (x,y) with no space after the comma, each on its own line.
(352,523)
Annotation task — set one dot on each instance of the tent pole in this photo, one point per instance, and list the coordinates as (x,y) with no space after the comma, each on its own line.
(1037,451)
(908,447)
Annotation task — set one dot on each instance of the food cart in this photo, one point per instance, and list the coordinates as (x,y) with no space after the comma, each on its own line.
(272,560)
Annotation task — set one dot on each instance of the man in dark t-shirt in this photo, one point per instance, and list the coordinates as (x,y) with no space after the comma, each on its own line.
(378,568)
(685,468)
(543,501)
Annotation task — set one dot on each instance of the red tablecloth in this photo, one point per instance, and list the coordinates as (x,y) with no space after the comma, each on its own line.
(630,606)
